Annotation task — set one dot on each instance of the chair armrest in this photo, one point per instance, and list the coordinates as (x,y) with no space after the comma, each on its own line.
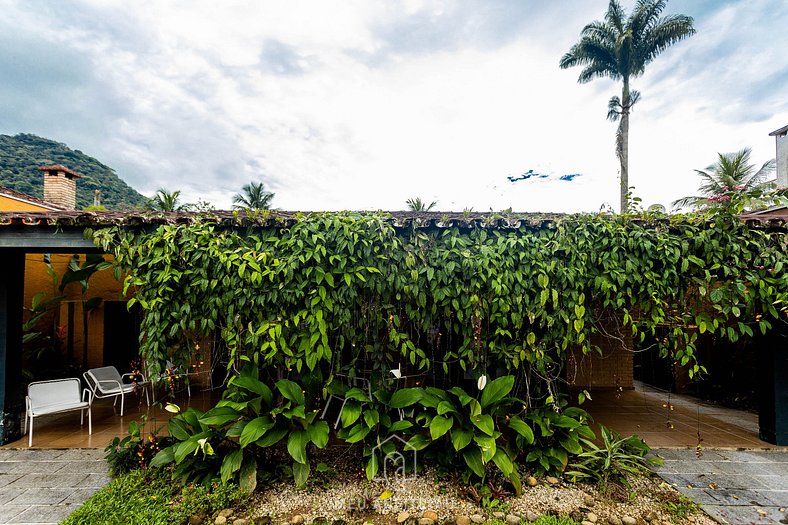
(110,381)
(28,403)
(89,394)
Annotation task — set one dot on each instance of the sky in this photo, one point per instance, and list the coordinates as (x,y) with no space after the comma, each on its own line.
(362,104)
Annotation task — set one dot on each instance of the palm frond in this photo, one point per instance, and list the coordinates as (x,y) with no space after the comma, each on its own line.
(614,109)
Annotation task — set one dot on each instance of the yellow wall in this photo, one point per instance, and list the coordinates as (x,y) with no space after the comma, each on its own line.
(9,204)
(102,284)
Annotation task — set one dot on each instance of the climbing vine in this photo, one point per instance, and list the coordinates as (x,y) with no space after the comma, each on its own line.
(338,292)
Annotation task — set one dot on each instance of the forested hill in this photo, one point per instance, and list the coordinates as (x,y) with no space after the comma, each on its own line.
(22,155)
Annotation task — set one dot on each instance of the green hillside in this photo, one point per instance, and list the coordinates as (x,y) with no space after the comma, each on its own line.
(22,155)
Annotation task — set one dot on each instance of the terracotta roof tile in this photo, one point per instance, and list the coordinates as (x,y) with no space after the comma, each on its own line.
(18,195)
(60,167)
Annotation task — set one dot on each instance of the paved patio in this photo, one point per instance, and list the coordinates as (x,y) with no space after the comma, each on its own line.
(737,479)
(674,421)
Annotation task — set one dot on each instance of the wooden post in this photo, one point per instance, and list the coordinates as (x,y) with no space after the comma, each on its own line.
(11,306)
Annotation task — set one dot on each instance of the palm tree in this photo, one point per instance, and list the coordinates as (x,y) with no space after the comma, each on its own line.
(731,172)
(167,201)
(254,197)
(620,47)
(417,204)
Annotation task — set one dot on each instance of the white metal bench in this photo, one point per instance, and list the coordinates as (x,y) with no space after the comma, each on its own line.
(107,382)
(53,397)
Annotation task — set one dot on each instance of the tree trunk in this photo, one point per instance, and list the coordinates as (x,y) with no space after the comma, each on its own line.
(623,145)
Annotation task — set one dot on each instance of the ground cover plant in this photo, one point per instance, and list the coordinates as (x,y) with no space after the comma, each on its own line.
(148,497)
(480,313)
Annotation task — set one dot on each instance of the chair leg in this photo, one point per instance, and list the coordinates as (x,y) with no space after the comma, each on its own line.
(24,423)
(30,436)
(121,403)
(90,422)
(325,409)
(336,424)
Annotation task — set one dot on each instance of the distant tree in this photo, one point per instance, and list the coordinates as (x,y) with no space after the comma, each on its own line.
(731,173)
(254,197)
(167,201)
(619,48)
(417,204)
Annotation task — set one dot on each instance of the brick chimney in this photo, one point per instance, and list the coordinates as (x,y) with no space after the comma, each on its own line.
(781,137)
(60,186)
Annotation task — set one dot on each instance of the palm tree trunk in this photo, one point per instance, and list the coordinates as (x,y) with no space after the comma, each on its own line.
(623,145)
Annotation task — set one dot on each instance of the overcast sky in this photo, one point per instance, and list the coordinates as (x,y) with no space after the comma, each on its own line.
(362,104)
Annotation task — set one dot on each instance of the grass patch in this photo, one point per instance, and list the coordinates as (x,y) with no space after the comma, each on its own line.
(150,497)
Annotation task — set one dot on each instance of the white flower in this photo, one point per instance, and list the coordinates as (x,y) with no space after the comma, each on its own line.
(482,382)
(397,373)
(172,407)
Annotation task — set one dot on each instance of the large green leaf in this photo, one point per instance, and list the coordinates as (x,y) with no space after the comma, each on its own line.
(484,423)
(503,462)
(291,391)
(496,390)
(350,413)
(164,457)
(357,433)
(372,467)
(296,445)
(419,442)
(230,464)
(219,416)
(300,474)
(318,433)
(271,437)
(255,429)
(487,446)
(473,458)
(522,428)
(439,426)
(254,385)
(406,397)
(460,438)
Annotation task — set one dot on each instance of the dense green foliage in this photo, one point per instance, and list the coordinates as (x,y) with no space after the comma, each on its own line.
(217,442)
(21,156)
(335,304)
(353,292)
(149,497)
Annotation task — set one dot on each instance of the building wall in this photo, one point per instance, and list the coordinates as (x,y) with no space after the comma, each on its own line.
(9,204)
(612,370)
(782,161)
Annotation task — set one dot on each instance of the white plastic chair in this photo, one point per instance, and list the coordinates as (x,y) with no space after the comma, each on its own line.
(54,397)
(107,382)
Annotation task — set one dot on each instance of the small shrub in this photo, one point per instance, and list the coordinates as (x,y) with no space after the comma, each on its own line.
(616,459)
(133,451)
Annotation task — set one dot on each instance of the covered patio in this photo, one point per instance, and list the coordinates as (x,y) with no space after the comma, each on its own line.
(63,430)
(645,411)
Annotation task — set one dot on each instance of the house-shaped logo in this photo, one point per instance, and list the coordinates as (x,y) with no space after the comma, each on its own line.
(397,459)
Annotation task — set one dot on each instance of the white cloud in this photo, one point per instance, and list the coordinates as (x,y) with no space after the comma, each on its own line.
(360,105)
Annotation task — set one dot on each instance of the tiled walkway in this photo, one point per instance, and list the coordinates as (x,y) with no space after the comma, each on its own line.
(674,421)
(736,487)
(45,486)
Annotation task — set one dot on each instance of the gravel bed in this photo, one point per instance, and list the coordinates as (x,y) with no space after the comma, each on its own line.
(349,497)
